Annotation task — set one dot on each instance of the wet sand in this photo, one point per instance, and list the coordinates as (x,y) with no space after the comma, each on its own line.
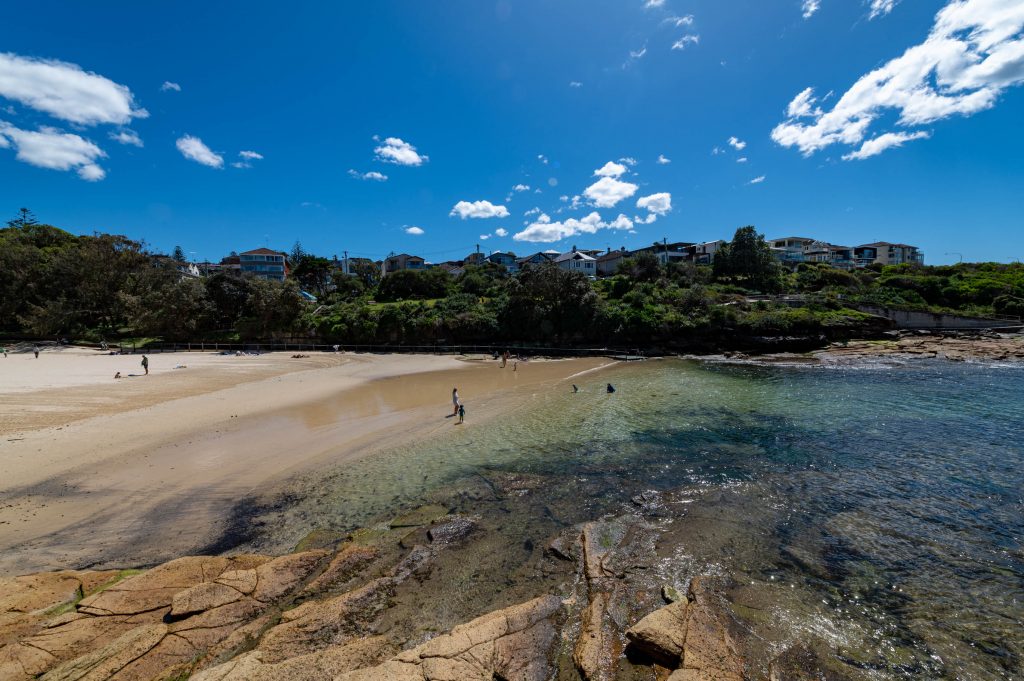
(97,472)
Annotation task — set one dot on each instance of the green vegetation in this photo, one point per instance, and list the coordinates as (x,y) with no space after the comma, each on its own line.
(103,286)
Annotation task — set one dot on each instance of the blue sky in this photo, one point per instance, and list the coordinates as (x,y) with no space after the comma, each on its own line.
(575,99)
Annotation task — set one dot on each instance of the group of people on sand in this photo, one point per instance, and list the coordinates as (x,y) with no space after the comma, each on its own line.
(458,409)
(505,357)
(145,367)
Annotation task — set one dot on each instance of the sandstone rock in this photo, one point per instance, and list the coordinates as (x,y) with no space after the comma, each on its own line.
(316,625)
(243,581)
(325,664)
(591,652)
(282,575)
(154,589)
(111,658)
(512,644)
(451,529)
(424,515)
(599,538)
(201,597)
(662,634)
(348,562)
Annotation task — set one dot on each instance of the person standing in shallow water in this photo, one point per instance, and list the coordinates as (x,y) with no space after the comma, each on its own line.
(36,351)
(145,364)
(455,401)
(462,413)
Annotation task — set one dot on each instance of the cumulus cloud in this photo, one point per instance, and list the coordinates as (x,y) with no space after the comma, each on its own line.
(879,8)
(372,175)
(127,137)
(575,83)
(65,91)
(737,144)
(414,230)
(543,230)
(662,160)
(659,204)
(973,53)
(193,149)
(628,160)
(54,149)
(501,231)
(608,191)
(809,7)
(610,169)
(757,180)
(691,39)
(877,145)
(648,4)
(168,86)
(399,152)
(478,209)
(521,188)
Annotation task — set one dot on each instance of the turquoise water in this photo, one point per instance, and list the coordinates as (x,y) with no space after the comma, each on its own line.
(875,509)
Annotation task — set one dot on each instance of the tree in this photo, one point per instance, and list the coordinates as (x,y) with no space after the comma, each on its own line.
(313,274)
(548,302)
(178,255)
(25,218)
(297,255)
(644,266)
(748,261)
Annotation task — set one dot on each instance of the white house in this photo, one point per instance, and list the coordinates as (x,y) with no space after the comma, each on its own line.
(577,261)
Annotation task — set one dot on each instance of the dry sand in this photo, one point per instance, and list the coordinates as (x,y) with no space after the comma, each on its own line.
(102,472)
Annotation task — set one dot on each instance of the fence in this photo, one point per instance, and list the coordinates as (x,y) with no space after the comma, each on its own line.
(432,349)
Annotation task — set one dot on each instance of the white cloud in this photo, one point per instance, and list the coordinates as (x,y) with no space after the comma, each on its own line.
(399,152)
(542,158)
(65,91)
(478,209)
(973,53)
(737,144)
(717,150)
(372,175)
(414,230)
(610,169)
(662,160)
(193,149)
(809,7)
(168,85)
(251,155)
(880,8)
(692,39)
(757,180)
(127,137)
(679,22)
(51,148)
(532,211)
(628,160)
(501,231)
(877,145)
(608,191)
(638,54)
(741,159)
(648,4)
(484,237)
(546,231)
(657,204)
(575,83)
(521,188)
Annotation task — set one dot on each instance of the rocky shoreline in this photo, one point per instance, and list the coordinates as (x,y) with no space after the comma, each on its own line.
(334,610)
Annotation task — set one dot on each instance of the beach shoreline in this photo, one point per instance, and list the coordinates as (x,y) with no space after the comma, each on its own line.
(101,473)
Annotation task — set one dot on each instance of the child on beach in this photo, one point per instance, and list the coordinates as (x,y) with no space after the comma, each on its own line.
(462,413)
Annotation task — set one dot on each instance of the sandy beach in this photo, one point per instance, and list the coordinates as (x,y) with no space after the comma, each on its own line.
(117,473)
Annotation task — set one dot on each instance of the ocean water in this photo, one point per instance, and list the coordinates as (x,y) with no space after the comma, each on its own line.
(875,510)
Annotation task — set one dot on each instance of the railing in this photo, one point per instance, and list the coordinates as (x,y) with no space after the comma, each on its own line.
(379,348)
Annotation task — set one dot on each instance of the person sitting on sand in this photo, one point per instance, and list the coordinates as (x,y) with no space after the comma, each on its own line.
(611,388)
(455,401)
(462,413)
(117,375)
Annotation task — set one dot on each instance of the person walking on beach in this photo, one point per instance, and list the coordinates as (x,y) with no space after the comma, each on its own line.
(462,413)
(455,401)
(145,364)
(4,348)
(35,349)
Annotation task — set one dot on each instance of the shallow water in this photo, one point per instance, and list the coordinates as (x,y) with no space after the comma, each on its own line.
(877,509)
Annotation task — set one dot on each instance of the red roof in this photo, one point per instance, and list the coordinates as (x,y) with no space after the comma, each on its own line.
(263,251)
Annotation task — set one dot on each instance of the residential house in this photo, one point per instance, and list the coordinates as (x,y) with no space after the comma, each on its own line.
(704,254)
(264,263)
(505,259)
(887,254)
(791,250)
(540,258)
(475,258)
(608,263)
(830,254)
(402,261)
(665,252)
(577,261)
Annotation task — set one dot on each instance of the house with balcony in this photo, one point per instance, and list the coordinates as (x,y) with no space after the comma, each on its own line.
(886,253)
(704,254)
(264,264)
(679,251)
(791,250)
(540,258)
(402,261)
(506,259)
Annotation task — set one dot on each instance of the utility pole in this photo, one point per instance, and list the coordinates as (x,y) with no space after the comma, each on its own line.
(344,267)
